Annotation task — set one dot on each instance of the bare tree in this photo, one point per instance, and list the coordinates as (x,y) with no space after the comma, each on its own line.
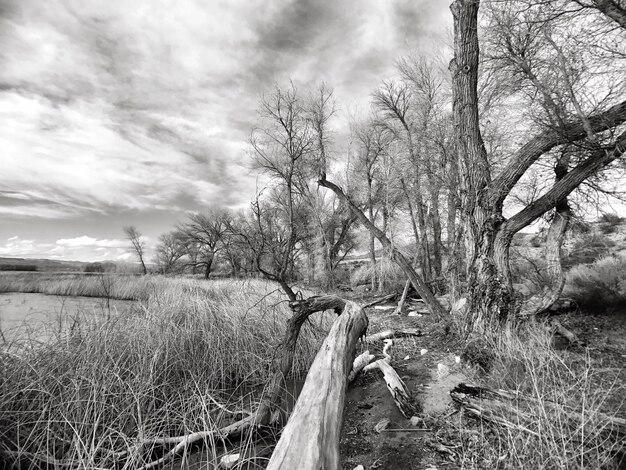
(594,130)
(282,149)
(169,252)
(373,147)
(137,244)
(372,142)
(204,234)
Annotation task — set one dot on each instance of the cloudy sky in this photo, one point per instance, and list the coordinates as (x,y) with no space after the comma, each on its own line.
(125,112)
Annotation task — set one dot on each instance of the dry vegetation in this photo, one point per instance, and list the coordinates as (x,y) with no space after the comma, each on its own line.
(564,417)
(114,286)
(601,284)
(195,356)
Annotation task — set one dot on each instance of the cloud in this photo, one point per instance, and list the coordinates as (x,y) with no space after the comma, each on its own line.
(18,247)
(83,248)
(115,107)
(92,242)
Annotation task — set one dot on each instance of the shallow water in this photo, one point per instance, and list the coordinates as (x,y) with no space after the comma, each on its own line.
(37,315)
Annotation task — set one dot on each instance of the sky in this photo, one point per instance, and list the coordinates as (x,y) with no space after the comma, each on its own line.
(136,112)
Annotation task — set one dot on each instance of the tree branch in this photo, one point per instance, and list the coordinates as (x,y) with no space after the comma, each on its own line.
(598,159)
(542,143)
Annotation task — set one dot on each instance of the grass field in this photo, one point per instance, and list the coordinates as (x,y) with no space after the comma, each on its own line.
(114,286)
(193,357)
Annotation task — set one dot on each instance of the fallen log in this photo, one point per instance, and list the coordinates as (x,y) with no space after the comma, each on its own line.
(514,410)
(389,334)
(310,440)
(269,408)
(396,386)
(380,300)
(359,363)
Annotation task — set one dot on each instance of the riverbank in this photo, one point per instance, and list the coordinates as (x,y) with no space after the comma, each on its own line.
(194,357)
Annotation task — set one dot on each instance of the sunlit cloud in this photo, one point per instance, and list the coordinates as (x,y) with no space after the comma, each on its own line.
(144,106)
(81,248)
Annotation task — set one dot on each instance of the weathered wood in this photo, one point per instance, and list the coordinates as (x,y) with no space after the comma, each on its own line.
(405,291)
(310,440)
(283,361)
(318,303)
(397,388)
(389,334)
(514,410)
(380,300)
(359,363)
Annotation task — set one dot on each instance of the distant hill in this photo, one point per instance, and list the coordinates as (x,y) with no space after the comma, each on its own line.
(42,264)
(51,265)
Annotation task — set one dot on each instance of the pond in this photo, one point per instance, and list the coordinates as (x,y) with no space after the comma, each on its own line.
(25,315)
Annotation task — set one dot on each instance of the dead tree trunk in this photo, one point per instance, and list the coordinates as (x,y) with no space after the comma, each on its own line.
(270,404)
(516,411)
(311,438)
(421,287)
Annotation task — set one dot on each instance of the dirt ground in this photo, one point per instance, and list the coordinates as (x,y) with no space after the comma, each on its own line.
(368,400)
(402,445)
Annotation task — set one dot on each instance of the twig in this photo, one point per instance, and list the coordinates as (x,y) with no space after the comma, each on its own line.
(407,430)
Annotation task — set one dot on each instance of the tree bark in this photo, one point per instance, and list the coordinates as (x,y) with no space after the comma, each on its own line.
(489,295)
(310,440)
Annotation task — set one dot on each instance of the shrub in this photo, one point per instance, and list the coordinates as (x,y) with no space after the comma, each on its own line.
(608,223)
(18,267)
(601,284)
(389,276)
(587,249)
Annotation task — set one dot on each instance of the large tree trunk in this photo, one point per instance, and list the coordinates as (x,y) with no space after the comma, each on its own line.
(490,296)
(454,233)
(372,244)
(487,233)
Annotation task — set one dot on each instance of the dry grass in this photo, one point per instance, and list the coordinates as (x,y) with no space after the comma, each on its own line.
(389,277)
(194,356)
(561,423)
(114,286)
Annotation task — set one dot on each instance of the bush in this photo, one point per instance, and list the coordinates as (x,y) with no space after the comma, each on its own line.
(587,249)
(18,267)
(601,284)
(608,223)
(389,276)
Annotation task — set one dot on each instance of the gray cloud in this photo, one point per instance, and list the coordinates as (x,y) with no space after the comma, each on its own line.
(115,106)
